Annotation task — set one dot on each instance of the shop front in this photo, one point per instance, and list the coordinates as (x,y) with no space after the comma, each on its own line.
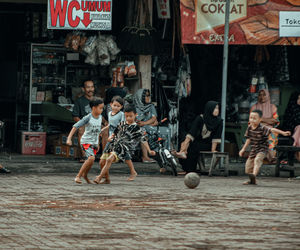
(60,44)
(50,49)
(264,47)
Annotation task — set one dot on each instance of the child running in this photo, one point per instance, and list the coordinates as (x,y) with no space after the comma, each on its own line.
(257,136)
(115,116)
(90,139)
(124,141)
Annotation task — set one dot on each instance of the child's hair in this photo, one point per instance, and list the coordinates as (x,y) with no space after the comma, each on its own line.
(95,102)
(118,99)
(259,112)
(129,108)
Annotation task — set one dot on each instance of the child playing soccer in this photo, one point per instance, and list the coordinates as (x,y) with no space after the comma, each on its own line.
(115,116)
(257,136)
(90,139)
(124,141)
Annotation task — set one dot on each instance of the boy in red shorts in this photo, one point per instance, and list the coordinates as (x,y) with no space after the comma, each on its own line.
(90,139)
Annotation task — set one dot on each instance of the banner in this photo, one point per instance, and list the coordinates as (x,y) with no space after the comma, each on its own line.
(251,22)
(79,14)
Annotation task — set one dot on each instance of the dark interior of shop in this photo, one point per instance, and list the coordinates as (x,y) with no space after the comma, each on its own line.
(206,62)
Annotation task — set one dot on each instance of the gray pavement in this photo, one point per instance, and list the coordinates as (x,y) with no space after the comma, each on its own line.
(42,208)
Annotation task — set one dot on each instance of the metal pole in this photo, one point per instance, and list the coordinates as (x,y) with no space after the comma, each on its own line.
(224,74)
(30,91)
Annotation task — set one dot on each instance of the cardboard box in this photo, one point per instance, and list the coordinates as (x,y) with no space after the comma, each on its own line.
(75,141)
(69,152)
(53,140)
(57,150)
(33,143)
(65,150)
(73,152)
(63,139)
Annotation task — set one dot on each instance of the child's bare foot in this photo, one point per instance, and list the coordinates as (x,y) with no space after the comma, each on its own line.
(252,179)
(152,152)
(247,183)
(180,155)
(132,177)
(87,179)
(97,180)
(162,170)
(105,181)
(77,180)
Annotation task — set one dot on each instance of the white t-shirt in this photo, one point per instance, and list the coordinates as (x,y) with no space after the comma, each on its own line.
(92,129)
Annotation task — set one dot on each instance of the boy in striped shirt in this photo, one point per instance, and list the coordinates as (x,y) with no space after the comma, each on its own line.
(257,136)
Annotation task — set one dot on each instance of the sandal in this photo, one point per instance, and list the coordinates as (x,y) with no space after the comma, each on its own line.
(150,161)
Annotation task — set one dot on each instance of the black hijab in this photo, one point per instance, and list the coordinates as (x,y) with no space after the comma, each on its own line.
(211,121)
(291,117)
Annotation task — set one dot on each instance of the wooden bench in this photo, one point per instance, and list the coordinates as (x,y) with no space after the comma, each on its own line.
(215,157)
(282,153)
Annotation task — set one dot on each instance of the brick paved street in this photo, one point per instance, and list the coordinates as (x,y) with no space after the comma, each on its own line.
(154,212)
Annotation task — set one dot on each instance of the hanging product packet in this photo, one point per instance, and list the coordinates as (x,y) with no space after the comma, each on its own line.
(90,44)
(112,46)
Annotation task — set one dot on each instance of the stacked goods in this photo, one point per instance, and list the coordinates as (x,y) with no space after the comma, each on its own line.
(56,144)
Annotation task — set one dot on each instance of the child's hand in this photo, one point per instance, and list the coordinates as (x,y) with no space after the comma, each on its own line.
(286,133)
(241,153)
(110,139)
(141,123)
(69,142)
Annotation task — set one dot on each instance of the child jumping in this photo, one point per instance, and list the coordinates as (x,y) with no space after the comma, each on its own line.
(90,138)
(124,140)
(257,136)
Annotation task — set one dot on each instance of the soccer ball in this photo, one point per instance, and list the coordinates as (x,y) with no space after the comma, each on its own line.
(192,180)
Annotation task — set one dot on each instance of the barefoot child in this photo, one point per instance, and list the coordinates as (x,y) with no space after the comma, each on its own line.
(124,141)
(90,138)
(257,136)
(115,116)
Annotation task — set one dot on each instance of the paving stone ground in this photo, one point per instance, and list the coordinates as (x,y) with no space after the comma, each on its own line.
(48,210)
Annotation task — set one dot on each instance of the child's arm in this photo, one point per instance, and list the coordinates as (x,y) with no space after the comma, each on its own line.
(69,139)
(242,151)
(109,139)
(105,128)
(278,131)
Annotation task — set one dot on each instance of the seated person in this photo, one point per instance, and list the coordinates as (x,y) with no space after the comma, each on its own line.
(270,118)
(3,170)
(291,120)
(146,118)
(204,135)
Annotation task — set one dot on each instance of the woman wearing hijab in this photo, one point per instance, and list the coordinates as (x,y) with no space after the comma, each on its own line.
(146,118)
(270,118)
(291,119)
(205,134)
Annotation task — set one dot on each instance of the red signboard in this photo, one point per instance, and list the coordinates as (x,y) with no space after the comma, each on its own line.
(251,21)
